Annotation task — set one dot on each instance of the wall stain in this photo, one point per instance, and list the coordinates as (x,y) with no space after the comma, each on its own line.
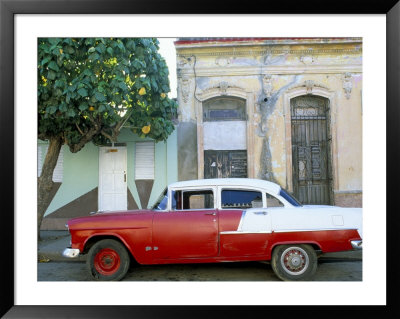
(267,107)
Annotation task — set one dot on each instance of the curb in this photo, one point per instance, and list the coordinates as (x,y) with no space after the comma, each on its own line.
(45,257)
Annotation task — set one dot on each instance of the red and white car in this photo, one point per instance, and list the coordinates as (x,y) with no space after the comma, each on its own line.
(216,220)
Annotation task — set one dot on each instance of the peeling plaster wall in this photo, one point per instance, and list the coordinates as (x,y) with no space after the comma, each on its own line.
(271,129)
(216,134)
(187,151)
(271,70)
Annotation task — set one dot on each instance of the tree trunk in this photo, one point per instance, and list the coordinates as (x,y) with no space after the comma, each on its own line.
(45,181)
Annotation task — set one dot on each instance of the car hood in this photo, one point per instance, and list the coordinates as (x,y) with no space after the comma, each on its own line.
(113,219)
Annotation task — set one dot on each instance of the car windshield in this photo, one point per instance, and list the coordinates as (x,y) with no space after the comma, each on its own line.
(162,201)
(289,198)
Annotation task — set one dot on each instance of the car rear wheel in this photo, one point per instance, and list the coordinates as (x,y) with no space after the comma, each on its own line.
(108,259)
(294,262)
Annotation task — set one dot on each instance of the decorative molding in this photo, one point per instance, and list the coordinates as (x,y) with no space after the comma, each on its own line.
(185,88)
(260,52)
(267,85)
(184,62)
(223,86)
(309,86)
(307,59)
(222,61)
(221,89)
(347,84)
(233,70)
(185,43)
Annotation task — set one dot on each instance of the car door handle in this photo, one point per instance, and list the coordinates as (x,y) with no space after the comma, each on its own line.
(261,213)
(213,214)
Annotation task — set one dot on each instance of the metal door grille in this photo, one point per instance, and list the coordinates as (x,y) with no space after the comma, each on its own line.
(310,150)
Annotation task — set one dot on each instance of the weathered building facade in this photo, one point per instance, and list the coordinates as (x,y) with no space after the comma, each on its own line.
(287,110)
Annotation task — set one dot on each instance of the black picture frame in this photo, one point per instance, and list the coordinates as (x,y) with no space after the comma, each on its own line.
(8,10)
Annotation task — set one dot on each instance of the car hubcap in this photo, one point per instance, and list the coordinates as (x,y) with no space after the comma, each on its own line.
(294,260)
(107,261)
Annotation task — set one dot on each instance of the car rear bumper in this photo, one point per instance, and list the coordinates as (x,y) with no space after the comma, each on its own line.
(356,244)
(70,253)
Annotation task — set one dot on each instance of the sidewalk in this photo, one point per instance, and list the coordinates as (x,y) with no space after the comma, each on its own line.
(53,243)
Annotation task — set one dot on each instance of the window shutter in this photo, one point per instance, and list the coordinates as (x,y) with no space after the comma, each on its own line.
(144,160)
(58,170)
(40,159)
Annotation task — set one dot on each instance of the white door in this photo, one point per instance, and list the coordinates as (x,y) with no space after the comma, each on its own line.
(112,178)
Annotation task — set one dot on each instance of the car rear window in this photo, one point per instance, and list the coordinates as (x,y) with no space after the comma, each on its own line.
(241,199)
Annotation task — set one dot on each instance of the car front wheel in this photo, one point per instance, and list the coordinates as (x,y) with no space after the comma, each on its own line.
(108,259)
(294,262)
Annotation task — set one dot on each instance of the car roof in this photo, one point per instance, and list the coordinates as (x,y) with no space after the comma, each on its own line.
(240,182)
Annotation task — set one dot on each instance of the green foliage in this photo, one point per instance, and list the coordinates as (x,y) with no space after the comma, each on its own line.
(84,82)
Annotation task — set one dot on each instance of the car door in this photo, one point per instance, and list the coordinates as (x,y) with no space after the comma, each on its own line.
(245,225)
(189,229)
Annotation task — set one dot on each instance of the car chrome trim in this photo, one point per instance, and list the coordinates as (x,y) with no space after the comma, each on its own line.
(356,244)
(307,230)
(70,253)
(194,209)
(238,232)
(241,220)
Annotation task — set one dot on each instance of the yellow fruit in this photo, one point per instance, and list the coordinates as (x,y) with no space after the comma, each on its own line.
(146,129)
(142,91)
(91,108)
(163,95)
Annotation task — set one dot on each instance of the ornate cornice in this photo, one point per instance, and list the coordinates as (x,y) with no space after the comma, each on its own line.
(260,52)
(211,71)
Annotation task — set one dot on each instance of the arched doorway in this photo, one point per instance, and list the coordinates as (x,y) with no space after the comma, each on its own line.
(225,137)
(311,145)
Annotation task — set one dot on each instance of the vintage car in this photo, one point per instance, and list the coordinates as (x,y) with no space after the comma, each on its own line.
(216,220)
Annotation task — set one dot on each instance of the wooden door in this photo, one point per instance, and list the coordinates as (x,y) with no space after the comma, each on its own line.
(112,178)
(311,150)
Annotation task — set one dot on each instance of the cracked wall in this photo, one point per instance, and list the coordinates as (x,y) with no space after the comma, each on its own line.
(264,72)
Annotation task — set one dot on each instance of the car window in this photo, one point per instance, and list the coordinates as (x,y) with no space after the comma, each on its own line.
(193,199)
(290,198)
(235,198)
(272,201)
(162,201)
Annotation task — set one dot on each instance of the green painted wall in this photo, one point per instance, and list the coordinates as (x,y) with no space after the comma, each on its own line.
(80,171)
(80,175)
(166,167)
